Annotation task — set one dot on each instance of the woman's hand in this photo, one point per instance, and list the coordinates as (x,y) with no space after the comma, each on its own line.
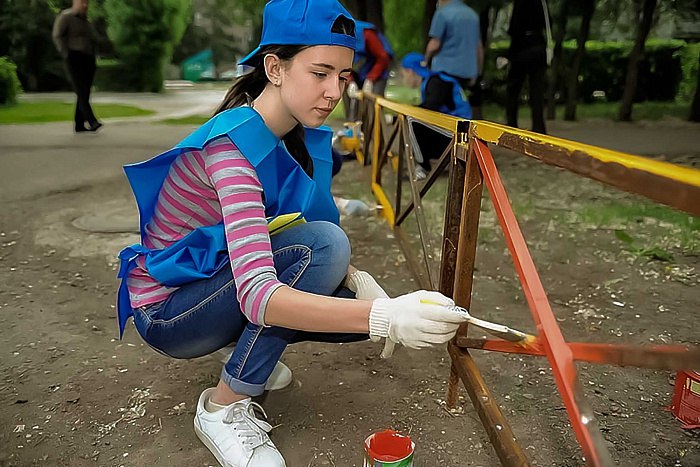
(364,286)
(417,320)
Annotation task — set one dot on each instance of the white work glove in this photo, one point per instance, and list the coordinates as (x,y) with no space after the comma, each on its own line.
(367,87)
(364,286)
(417,320)
(501,62)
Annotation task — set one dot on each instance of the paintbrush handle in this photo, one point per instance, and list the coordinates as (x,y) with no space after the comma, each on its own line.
(495,329)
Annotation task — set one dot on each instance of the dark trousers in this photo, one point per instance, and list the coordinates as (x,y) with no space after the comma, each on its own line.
(81,68)
(431,143)
(439,93)
(534,70)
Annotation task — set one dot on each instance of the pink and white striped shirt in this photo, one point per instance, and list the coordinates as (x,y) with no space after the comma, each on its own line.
(202,188)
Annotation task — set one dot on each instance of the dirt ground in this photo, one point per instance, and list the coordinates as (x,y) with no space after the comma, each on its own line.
(72,394)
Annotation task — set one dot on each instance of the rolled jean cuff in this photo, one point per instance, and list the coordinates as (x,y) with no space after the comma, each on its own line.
(241,387)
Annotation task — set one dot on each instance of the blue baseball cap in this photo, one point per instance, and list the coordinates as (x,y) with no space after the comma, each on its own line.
(416,62)
(302,22)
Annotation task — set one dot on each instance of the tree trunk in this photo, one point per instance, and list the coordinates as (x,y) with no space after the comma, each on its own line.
(555,71)
(572,87)
(695,106)
(428,12)
(375,13)
(358,8)
(635,57)
(484,23)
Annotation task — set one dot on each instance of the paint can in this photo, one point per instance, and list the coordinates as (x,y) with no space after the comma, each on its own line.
(388,449)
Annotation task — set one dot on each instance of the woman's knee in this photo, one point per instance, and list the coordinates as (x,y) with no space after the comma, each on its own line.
(330,244)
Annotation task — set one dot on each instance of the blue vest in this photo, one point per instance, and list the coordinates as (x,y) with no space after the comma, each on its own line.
(290,197)
(361,49)
(462,108)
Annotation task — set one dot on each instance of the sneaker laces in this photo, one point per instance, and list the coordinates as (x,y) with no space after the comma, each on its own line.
(252,431)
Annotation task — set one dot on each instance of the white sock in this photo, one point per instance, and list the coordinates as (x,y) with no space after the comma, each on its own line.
(212,407)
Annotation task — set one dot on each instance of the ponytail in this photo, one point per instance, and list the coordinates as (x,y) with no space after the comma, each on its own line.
(249,86)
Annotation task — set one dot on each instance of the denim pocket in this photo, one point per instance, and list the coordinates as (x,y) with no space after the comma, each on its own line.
(152,309)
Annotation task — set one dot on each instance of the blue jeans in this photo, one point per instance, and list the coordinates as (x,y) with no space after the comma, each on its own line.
(203,316)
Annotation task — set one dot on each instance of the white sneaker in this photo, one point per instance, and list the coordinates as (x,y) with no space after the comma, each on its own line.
(235,436)
(420,173)
(279,379)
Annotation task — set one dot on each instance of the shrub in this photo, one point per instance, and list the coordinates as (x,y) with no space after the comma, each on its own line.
(9,82)
(689,69)
(112,75)
(143,34)
(662,72)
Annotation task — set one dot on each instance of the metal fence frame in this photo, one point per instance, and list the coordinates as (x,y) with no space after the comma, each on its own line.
(471,166)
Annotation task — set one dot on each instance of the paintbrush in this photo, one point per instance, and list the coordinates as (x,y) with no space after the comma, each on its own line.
(495,329)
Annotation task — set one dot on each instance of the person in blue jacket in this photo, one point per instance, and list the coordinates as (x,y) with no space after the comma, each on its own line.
(431,142)
(240,241)
(455,49)
(417,74)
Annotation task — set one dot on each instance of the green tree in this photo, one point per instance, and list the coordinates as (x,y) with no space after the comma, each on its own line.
(25,37)
(588,8)
(557,67)
(695,105)
(370,10)
(406,20)
(144,33)
(635,57)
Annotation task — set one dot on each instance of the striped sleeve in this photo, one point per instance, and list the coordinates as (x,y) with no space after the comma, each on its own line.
(240,194)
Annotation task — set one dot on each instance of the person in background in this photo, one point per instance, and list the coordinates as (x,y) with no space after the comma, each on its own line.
(432,143)
(455,50)
(417,75)
(372,62)
(74,38)
(373,56)
(528,59)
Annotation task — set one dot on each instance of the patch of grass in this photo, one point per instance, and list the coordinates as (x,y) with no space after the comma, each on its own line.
(189,120)
(599,110)
(648,229)
(403,94)
(652,111)
(50,111)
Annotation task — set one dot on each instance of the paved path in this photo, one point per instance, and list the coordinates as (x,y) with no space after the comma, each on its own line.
(47,157)
(173,103)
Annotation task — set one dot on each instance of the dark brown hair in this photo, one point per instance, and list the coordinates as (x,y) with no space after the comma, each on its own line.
(249,86)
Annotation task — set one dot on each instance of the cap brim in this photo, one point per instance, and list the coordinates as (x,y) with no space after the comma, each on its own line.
(246,60)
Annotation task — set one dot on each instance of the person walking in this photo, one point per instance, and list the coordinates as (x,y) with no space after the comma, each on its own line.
(527,57)
(74,38)
(240,238)
(454,49)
